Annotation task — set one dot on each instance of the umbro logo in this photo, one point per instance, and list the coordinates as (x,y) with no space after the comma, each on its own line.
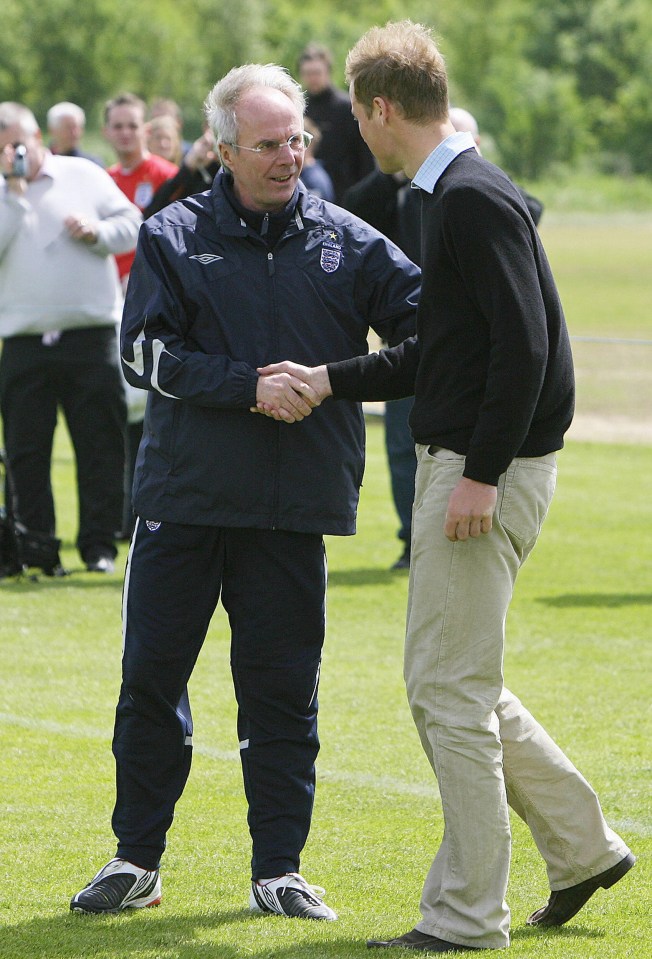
(206,257)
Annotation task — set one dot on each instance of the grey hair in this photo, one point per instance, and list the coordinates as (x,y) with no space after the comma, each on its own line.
(15,114)
(65,109)
(221,102)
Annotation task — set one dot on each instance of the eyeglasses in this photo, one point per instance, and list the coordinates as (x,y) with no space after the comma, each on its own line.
(298,142)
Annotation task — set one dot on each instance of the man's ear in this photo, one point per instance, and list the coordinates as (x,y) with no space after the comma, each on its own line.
(226,152)
(382,107)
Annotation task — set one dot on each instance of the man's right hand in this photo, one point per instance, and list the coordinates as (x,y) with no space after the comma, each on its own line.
(308,387)
(471,507)
(283,395)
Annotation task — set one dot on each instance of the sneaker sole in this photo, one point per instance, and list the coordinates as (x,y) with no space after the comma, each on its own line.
(78,907)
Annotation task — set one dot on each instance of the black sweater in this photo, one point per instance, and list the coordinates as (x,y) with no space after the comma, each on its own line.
(491,367)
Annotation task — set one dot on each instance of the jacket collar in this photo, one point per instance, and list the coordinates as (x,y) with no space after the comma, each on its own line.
(215,205)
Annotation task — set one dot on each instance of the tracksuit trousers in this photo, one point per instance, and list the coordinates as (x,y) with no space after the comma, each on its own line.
(272,585)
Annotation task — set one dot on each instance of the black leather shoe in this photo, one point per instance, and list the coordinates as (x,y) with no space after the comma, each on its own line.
(565,903)
(418,940)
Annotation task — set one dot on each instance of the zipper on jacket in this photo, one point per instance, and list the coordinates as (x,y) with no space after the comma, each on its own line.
(271,269)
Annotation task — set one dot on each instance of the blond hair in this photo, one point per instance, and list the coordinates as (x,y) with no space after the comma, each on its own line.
(164,123)
(402,63)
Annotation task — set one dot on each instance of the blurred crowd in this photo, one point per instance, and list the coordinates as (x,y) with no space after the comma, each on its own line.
(64,358)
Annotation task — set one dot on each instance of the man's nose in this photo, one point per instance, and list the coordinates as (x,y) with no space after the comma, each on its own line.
(283,146)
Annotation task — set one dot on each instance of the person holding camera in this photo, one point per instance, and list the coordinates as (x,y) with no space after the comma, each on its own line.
(61,219)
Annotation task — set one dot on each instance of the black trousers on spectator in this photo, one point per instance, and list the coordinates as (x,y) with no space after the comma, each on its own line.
(79,373)
(272,585)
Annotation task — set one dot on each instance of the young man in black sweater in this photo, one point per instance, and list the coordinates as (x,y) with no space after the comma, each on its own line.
(492,375)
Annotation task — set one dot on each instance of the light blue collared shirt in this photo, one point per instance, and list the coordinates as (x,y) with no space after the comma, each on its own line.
(441,157)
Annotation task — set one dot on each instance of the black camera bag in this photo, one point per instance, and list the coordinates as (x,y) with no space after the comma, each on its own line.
(20,547)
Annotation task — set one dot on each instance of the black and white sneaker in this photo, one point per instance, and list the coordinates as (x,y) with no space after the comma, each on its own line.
(101,563)
(289,895)
(119,885)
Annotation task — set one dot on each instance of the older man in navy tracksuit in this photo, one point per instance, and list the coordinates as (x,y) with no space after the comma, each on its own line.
(234,505)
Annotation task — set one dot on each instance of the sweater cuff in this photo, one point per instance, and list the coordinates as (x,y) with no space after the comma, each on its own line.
(482,472)
(339,374)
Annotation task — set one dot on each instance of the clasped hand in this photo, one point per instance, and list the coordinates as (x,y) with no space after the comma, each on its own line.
(288,392)
(80,229)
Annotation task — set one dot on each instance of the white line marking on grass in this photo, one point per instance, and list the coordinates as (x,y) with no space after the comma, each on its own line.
(382,784)
(48,726)
(641,829)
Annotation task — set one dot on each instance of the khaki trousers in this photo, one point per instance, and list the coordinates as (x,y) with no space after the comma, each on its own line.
(485,748)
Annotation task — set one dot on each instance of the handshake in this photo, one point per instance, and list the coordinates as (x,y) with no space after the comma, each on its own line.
(288,392)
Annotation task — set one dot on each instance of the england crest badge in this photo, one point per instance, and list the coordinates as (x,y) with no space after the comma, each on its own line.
(331,254)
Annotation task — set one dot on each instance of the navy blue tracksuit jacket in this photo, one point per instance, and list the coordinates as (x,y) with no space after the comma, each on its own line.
(208,302)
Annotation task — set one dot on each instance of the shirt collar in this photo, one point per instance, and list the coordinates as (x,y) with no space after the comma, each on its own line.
(440,158)
(48,167)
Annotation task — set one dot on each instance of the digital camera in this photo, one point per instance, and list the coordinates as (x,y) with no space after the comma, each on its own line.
(19,166)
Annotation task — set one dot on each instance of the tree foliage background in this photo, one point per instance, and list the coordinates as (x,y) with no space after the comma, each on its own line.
(556,83)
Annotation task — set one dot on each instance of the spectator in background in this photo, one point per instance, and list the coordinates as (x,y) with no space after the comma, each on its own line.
(66,123)
(60,301)
(163,139)
(139,174)
(195,174)
(342,150)
(164,107)
(313,174)
(386,201)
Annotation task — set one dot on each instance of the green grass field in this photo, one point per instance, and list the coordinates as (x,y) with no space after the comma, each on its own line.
(578,654)
(603,268)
